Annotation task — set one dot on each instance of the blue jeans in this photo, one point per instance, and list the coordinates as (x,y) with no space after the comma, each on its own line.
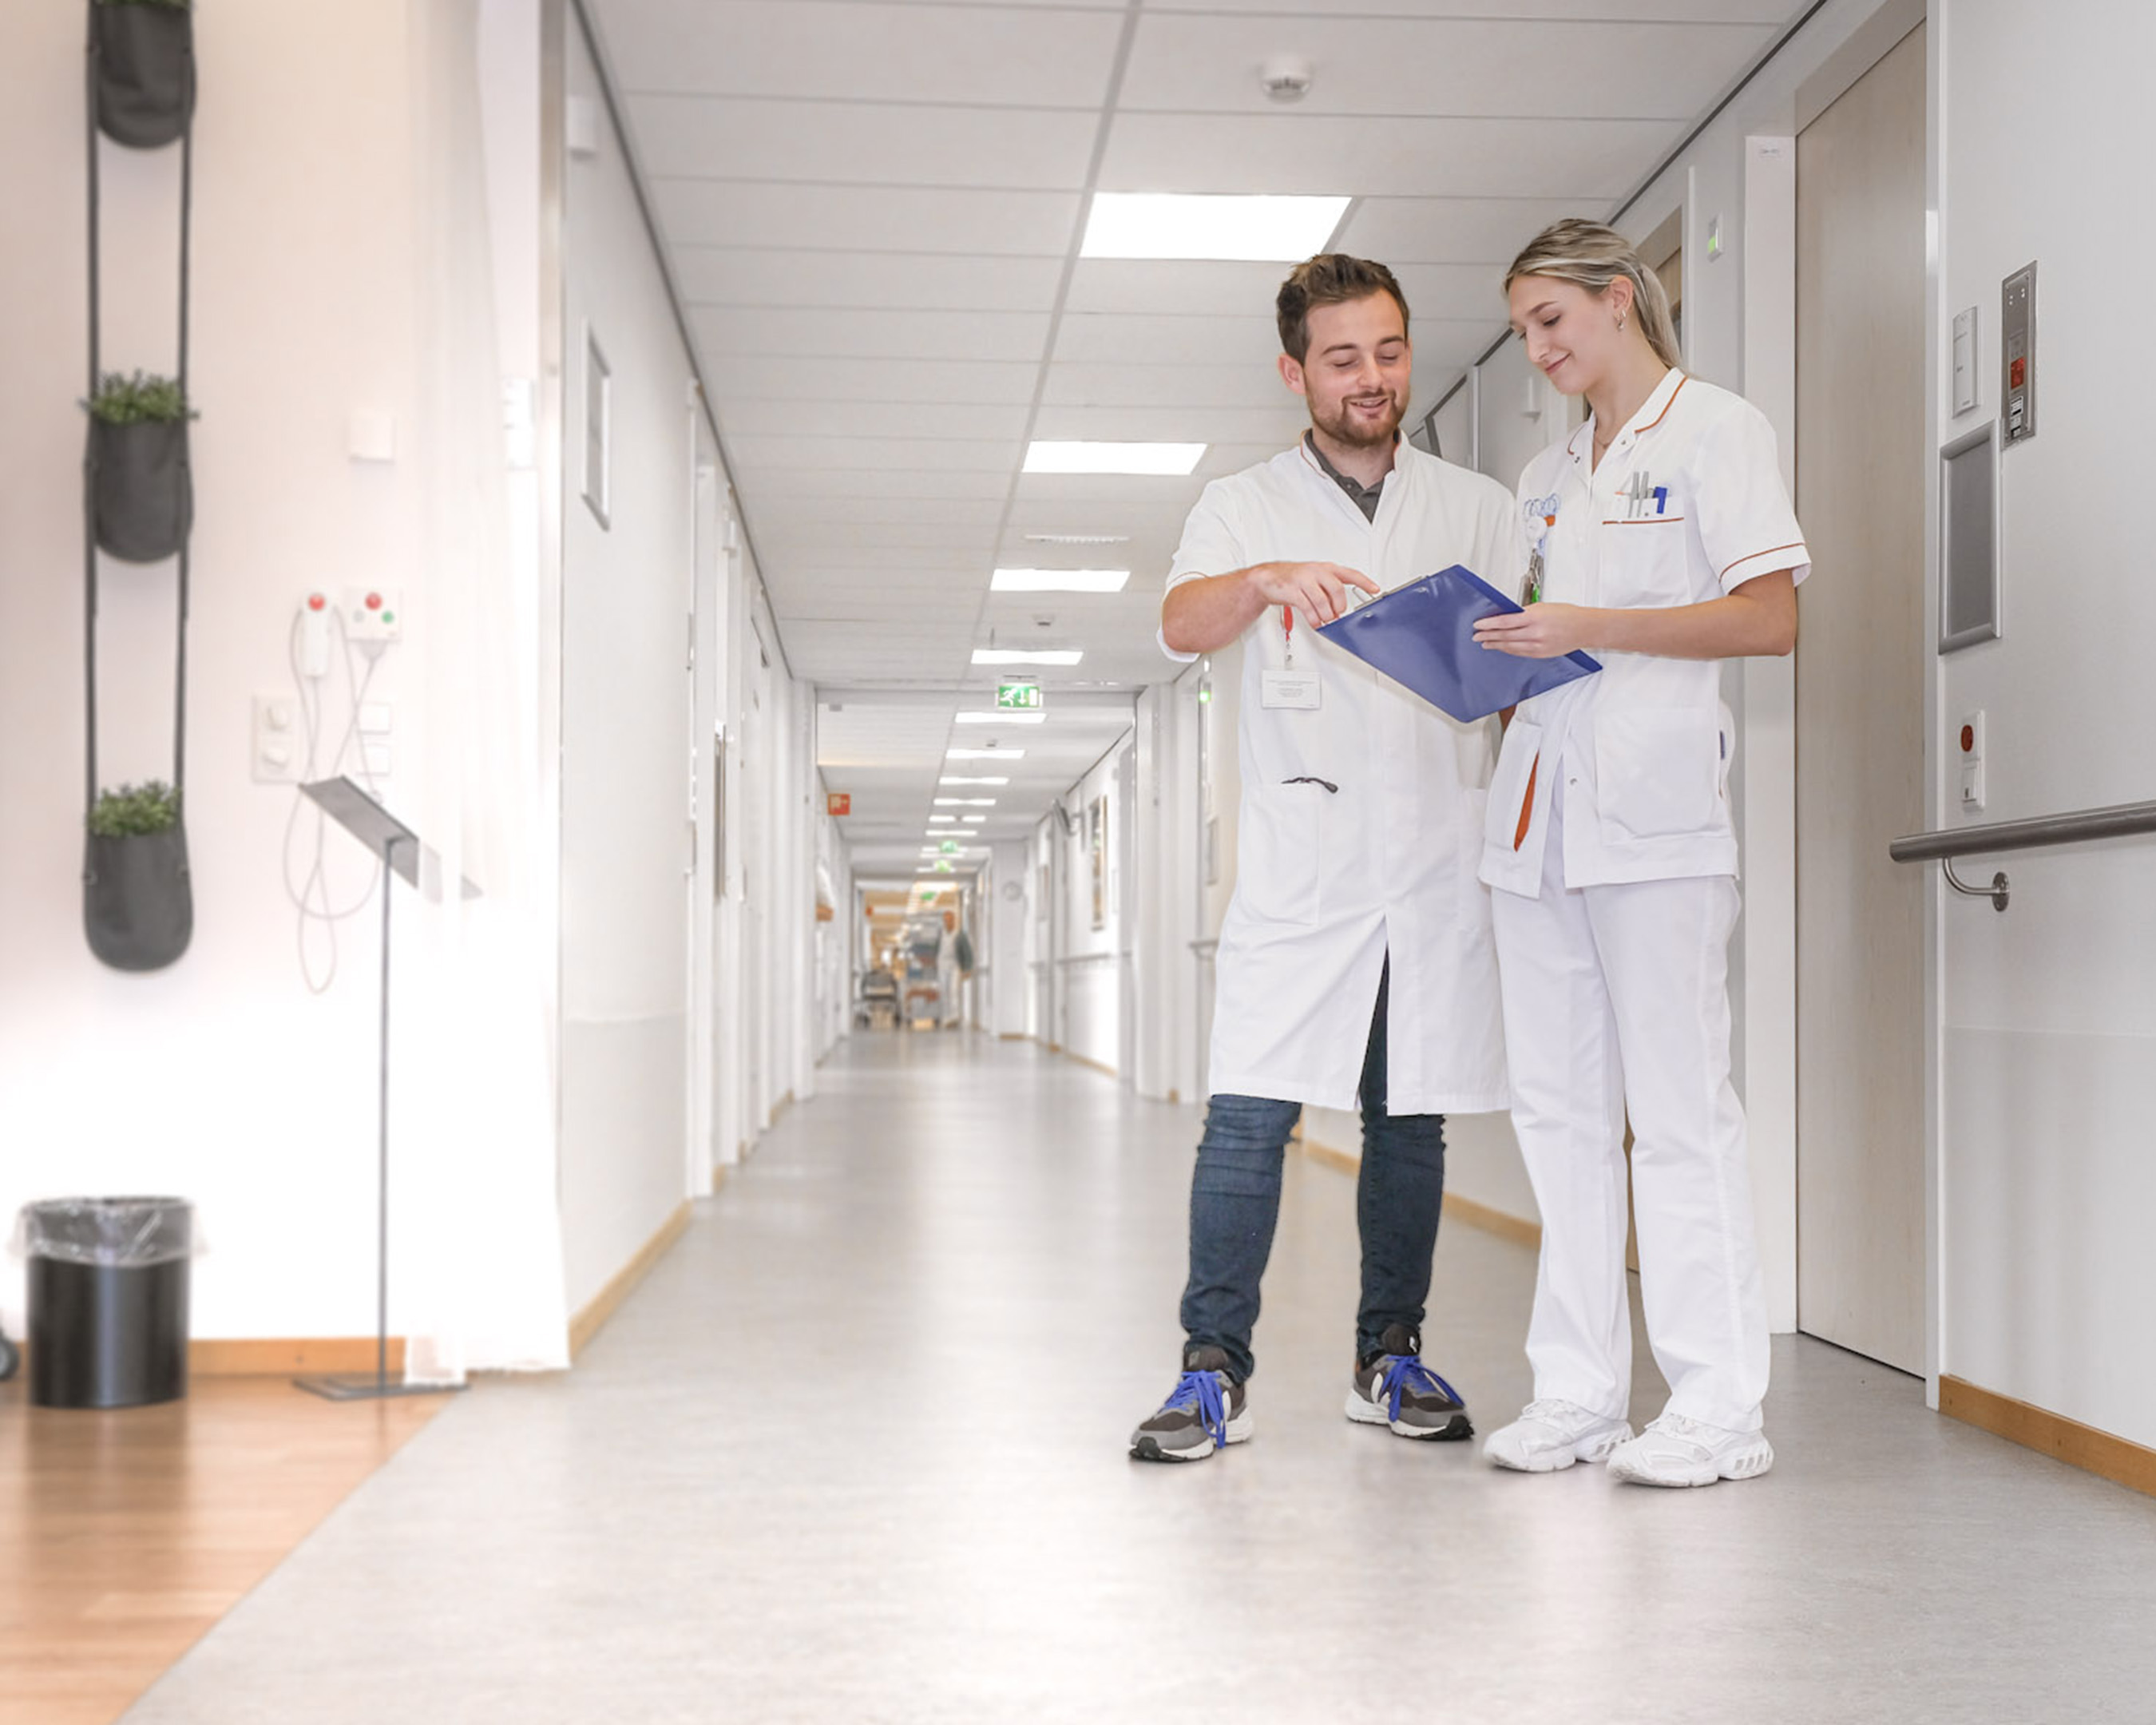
(1235,1203)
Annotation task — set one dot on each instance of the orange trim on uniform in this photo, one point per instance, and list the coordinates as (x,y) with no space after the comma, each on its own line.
(1683,378)
(1771,552)
(1528,804)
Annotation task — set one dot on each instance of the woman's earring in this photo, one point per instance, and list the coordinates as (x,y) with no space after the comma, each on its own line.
(1620,322)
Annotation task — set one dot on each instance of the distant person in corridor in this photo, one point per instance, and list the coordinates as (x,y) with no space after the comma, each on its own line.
(1356,964)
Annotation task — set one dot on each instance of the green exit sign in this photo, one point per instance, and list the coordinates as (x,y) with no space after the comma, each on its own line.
(1021,697)
(950,847)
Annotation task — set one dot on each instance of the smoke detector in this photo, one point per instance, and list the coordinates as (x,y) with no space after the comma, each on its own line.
(1285,77)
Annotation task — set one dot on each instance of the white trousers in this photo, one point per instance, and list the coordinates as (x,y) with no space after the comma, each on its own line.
(1617,998)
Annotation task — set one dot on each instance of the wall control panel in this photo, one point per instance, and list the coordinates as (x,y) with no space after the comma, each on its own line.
(1969,736)
(373,613)
(2017,355)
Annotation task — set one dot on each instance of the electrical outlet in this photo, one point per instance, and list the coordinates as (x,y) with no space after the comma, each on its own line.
(373,613)
(279,749)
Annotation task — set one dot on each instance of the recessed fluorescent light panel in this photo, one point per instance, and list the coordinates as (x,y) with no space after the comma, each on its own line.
(1013,655)
(1232,229)
(1159,460)
(1002,718)
(1059,580)
(968,778)
(965,802)
(984,754)
(933,819)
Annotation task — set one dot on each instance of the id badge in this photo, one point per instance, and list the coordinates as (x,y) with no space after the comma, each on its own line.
(1296,690)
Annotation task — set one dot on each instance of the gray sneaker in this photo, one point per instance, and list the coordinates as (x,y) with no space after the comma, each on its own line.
(1207,1410)
(1395,1389)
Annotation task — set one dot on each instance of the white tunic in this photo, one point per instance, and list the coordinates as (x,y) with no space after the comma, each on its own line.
(1687,506)
(1329,881)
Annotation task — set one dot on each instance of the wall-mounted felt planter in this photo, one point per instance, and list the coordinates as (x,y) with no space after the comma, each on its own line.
(138,907)
(146,72)
(144,491)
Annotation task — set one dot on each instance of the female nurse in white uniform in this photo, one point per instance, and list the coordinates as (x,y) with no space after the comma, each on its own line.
(1663,542)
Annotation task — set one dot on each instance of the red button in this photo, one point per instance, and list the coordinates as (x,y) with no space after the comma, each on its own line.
(1967,738)
(374,601)
(2017,373)
(316,601)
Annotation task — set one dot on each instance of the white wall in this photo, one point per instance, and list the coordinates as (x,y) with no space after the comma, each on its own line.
(625,713)
(2048,1059)
(221,1078)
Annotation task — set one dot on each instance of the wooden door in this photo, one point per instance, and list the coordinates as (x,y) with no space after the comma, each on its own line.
(1861,466)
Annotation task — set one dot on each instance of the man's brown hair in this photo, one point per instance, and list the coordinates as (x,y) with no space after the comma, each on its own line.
(1329,279)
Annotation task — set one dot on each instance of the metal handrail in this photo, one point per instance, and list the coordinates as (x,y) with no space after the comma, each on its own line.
(2121,820)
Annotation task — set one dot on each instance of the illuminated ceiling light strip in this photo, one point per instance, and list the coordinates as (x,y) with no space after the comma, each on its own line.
(1213,227)
(1059,580)
(1159,460)
(968,778)
(1015,655)
(1002,718)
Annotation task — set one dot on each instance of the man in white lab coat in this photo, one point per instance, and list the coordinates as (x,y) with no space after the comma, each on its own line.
(1355,963)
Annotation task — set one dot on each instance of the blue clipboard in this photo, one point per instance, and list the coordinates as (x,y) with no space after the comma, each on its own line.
(1422,635)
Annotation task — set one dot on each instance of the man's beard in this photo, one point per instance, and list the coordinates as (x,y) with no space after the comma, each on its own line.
(1343,428)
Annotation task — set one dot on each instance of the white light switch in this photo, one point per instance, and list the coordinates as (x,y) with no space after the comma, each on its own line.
(276,740)
(1965,385)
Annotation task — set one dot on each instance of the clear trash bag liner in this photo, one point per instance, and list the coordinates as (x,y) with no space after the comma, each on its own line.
(127,1233)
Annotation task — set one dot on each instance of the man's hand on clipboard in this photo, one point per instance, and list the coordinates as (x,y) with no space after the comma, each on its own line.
(1319,591)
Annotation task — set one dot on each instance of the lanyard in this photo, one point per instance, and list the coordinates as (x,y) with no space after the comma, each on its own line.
(1287,633)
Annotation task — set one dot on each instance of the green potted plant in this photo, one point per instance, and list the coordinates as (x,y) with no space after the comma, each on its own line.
(142,494)
(138,905)
(143,66)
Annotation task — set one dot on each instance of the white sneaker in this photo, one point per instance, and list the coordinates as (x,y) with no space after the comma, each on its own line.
(1674,1450)
(1552,1434)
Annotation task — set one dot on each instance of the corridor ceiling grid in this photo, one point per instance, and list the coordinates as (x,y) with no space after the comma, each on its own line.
(873,210)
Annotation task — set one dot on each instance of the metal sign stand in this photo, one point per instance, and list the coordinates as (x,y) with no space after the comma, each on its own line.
(399,848)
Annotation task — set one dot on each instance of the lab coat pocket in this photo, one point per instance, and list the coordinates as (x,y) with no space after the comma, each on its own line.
(1280,853)
(1643,563)
(1504,816)
(1658,772)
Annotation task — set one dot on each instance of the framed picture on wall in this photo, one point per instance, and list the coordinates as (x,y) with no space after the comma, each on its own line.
(1096,834)
(598,431)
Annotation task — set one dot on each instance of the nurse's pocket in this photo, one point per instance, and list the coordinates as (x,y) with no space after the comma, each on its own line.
(1642,563)
(1658,772)
(1503,818)
(1280,853)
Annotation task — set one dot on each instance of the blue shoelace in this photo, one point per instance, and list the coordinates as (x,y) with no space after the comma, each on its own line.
(1201,1392)
(1404,1372)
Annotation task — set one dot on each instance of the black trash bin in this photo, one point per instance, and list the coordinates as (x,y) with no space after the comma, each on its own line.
(108,1300)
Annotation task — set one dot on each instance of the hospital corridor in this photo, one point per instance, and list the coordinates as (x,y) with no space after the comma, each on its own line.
(972,860)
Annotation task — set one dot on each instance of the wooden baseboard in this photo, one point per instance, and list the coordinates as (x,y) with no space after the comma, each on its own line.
(1098,1065)
(1013,1036)
(290,1356)
(602,1306)
(1463,1211)
(2110,1457)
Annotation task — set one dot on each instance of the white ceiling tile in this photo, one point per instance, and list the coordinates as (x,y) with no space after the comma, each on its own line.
(754,376)
(1280,424)
(1116,382)
(796,537)
(1699,11)
(963,221)
(861,143)
(722,275)
(823,482)
(795,417)
(1122,338)
(1589,160)
(983,55)
(1486,231)
(1183,63)
(835,512)
(858,454)
(870,335)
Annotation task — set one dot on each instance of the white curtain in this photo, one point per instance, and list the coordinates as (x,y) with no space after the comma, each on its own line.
(478,1272)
